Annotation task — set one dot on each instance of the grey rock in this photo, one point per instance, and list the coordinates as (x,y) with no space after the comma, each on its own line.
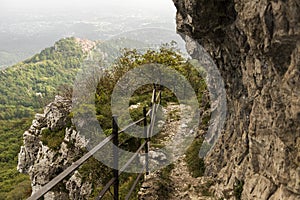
(42,163)
(256,47)
(78,189)
(56,113)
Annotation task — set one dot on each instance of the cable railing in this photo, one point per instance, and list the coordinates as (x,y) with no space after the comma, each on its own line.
(114,137)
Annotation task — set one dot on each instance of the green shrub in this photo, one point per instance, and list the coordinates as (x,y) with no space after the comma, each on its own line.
(195,164)
(127,181)
(165,184)
(238,189)
(11,133)
(20,191)
(52,139)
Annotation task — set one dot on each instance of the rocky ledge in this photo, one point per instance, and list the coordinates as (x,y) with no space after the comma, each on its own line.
(44,155)
(256,46)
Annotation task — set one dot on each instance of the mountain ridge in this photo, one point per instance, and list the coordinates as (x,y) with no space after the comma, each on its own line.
(26,87)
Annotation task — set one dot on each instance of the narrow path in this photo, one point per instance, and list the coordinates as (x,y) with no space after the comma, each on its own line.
(175,181)
(186,186)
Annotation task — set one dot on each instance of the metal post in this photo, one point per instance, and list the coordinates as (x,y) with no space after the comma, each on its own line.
(153,106)
(115,157)
(154,94)
(159,102)
(147,140)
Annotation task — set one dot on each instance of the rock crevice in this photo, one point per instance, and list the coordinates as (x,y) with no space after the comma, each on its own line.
(43,158)
(255,45)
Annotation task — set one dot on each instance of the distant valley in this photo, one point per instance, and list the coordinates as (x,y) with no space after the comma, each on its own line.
(20,39)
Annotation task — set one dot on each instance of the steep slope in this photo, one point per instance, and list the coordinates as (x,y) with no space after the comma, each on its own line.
(51,144)
(26,85)
(256,46)
(48,149)
(25,88)
(29,85)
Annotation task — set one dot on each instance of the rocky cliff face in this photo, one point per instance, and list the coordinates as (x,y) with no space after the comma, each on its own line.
(45,155)
(256,46)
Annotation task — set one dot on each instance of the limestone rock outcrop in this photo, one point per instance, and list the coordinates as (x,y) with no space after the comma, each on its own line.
(44,161)
(256,47)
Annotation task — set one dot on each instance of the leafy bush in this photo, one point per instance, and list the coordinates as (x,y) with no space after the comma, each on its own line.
(52,139)
(167,55)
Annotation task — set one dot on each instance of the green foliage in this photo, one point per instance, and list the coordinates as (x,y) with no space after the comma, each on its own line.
(13,185)
(238,189)
(167,55)
(113,49)
(165,184)
(196,164)
(130,59)
(12,112)
(25,88)
(96,173)
(17,187)
(29,85)
(11,133)
(8,58)
(205,120)
(52,139)
(127,180)
(65,52)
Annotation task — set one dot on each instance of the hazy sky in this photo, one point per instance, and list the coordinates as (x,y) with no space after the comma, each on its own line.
(157,6)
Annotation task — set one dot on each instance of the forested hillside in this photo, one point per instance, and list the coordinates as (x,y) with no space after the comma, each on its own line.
(25,88)
(29,84)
